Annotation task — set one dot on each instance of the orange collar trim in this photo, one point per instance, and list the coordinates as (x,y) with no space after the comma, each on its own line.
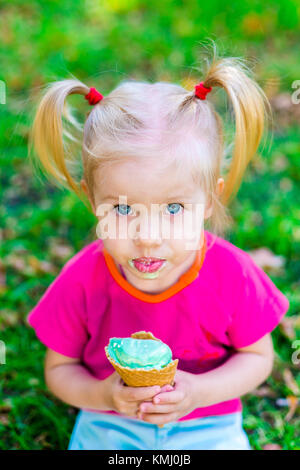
(182,282)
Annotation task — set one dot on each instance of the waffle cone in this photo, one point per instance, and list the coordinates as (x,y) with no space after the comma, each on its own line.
(142,377)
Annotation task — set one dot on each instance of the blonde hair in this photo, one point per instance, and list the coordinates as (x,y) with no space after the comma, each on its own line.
(160,121)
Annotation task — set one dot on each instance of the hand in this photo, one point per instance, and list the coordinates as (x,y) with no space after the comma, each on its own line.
(173,404)
(124,399)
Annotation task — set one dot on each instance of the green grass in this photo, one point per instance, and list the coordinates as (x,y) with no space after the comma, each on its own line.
(162,44)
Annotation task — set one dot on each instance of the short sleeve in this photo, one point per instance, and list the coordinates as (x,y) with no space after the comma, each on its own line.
(259,306)
(59,317)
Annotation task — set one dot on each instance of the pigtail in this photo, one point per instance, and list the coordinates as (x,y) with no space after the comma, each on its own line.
(251,111)
(47,134)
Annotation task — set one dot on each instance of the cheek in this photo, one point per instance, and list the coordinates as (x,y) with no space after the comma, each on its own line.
(185,234)
(188,225)
(112,227)
(172,227)
(177,248)
(118,249)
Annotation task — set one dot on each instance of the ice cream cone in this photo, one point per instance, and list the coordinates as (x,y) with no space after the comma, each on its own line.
(143,377)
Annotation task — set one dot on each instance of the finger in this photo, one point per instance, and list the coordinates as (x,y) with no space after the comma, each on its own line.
(168,397)
(160,418)
(166,388)
(148,408)
(151,401)
(140,393)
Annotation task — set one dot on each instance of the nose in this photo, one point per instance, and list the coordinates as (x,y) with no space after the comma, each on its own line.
(149,233)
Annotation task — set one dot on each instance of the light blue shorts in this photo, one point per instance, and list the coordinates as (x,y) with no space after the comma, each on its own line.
(104,431)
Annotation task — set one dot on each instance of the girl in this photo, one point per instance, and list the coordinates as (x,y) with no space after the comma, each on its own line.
(158,146)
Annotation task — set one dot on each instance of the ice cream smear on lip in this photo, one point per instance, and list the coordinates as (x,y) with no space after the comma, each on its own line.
(140,353)
(147,266)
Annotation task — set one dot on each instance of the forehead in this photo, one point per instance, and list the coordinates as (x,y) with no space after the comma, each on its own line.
(141,181)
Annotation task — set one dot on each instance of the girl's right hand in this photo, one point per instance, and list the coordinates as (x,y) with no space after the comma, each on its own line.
(125,399)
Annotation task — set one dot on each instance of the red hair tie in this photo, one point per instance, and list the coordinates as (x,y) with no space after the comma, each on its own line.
(201,91)
(93,96)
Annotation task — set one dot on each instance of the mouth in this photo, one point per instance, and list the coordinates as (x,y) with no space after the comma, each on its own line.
(148,265)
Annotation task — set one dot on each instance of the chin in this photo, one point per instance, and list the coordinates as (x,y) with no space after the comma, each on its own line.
(148,287)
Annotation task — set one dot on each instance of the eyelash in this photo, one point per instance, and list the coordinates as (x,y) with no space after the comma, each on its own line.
(117,205)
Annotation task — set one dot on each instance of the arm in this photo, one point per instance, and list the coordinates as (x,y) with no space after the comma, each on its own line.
(70,381)
(241,373)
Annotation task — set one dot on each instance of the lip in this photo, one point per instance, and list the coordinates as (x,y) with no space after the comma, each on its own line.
(148,259)
(147,265)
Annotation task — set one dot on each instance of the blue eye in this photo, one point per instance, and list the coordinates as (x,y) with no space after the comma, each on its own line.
(123,209)
(174,208)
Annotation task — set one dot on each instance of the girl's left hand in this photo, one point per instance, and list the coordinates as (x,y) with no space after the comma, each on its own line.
(172,405)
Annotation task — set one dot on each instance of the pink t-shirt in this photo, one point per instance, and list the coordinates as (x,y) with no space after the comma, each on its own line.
(224,301)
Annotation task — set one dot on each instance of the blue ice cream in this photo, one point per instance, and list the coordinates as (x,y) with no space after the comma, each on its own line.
(140,353)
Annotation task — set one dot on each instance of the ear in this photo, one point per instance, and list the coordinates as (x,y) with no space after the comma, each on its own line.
(219,190)
(220,186)
(86,191)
